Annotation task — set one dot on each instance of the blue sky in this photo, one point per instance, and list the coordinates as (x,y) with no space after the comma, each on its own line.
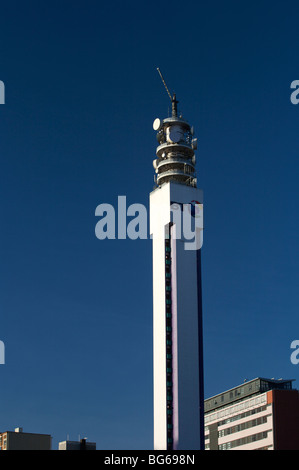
(82,92)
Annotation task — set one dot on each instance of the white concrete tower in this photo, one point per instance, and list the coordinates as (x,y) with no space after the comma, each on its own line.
(176,214)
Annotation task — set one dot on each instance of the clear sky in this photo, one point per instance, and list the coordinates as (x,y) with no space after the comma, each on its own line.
(82,92)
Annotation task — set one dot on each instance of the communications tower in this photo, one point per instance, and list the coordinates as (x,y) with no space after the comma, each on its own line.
(175,203)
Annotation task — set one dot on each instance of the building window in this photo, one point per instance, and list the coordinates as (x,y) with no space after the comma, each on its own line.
(242,426)
(168,339)
(242,415)
(243,441)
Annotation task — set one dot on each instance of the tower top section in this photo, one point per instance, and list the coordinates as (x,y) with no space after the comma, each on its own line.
(175,153)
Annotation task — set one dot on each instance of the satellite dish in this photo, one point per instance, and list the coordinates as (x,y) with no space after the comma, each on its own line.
(175,134)
(194,144)
(157,124)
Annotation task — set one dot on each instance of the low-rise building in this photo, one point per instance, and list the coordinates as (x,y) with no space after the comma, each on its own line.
(82,444)
(19,440)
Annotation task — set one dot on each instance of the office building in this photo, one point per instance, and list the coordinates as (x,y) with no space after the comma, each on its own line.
(261,414)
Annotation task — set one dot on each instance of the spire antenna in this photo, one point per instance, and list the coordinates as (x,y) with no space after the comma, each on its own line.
(168,92)
(173,99)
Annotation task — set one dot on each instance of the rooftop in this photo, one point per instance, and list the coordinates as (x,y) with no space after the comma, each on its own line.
(248,388)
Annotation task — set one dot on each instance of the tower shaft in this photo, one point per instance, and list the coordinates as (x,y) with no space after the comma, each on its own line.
(177,293)
(177,324)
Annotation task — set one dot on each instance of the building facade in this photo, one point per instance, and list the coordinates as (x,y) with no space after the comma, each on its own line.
(82,444)
(261,414)
(177,302)
(19,440)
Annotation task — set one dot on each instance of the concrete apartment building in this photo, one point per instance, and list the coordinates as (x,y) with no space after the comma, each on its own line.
(19,440)
(261,414)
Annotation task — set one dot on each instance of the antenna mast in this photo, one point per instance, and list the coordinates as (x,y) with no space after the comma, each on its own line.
(172,99)
(168,92)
